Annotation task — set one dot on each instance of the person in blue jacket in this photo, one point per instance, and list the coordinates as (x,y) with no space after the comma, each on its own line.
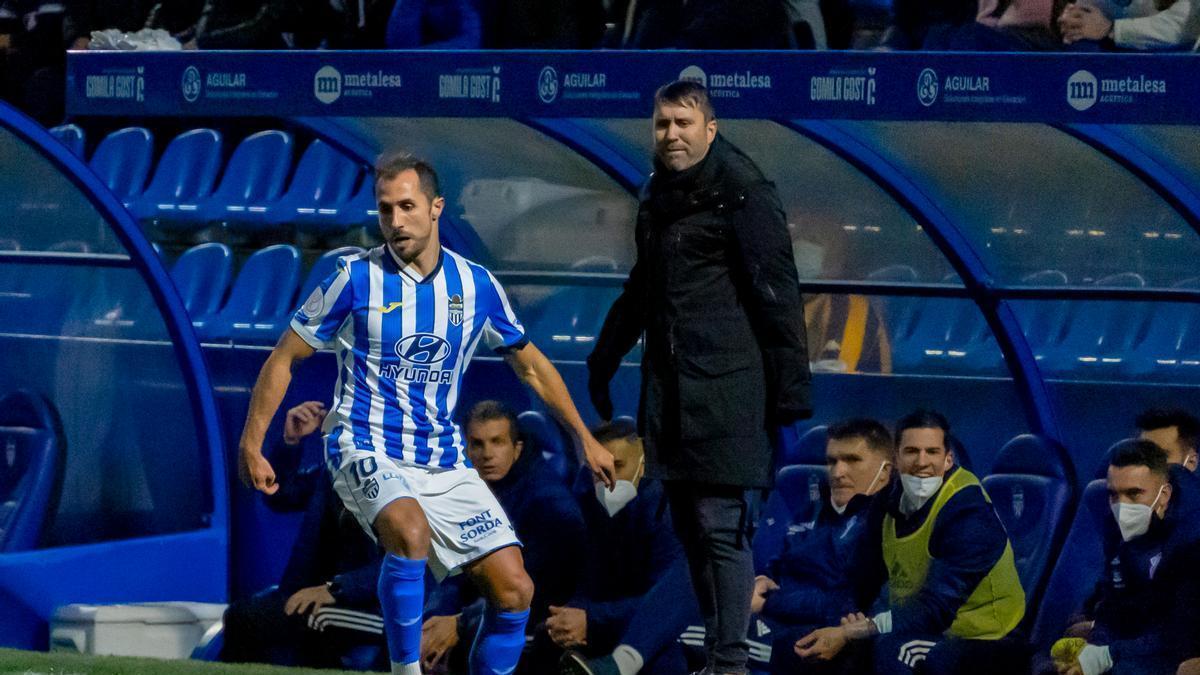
(1146,609)
(951,598)
(630,547)
(805,585)
(547,522)
(326,602)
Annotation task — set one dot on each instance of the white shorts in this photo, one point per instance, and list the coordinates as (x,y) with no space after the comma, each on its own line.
(466,519)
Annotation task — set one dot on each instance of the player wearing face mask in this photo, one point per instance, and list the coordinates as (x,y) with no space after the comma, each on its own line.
(951,599)
(1147,604)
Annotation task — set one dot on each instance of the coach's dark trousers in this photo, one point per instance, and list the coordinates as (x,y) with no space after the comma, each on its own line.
(711,523)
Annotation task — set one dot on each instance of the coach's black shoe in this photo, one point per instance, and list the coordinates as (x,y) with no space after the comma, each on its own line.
(574,663)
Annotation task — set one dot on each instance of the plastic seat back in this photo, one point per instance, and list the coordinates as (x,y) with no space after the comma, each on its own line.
(31,450)
(201,276)
(261,300)
(1079,566)
(1030,489)
(72,136)
(184,177)
(796,496)
(253,179)
(899,314)
(122,161)
(323,267)
(322,185)
(543,435)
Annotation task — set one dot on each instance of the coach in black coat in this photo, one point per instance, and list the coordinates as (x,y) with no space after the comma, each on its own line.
(714,290)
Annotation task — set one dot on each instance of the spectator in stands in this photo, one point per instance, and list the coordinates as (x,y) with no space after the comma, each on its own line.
(1177,431)
(326,602)
(953,599)
(1147,605)
(914,20)
(542,24)
(547,521)
(1003,25)
(434,24)
(237,24)
(630,546)
(347,24)
(708,24)
(805,586)
(1142,25)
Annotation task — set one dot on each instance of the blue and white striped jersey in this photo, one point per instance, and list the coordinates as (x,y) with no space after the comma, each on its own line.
(402,344)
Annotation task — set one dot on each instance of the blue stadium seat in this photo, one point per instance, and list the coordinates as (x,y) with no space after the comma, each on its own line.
(201,276)
(122,161)
(1079,566)
(952,335)
(71,136)
(184,178)
(320,190)
(253,180)
(261,302)
(1100,471)
(543,435)
(797,446)
(1101,334)
(1171,348)
(31,452)
(1030,488)
(362,209)
(566,324)
(899,315)
(797,492)
(1045,322)
(323,267)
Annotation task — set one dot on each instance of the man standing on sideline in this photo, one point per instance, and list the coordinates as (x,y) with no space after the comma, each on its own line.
(715,292)
(404,319)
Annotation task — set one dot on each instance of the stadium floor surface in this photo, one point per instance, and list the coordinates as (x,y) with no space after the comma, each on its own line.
(17,662)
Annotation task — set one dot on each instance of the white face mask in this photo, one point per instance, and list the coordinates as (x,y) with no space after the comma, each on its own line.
(842,509)
(1134,519)
(917,491)
(616,499)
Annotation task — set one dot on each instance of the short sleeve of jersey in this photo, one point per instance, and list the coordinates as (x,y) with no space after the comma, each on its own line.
(502,331)
(318,320)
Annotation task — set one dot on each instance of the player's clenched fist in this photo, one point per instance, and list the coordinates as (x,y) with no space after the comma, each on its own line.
(256,472)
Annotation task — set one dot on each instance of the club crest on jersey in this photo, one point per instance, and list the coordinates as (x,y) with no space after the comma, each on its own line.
(370,488)
(455,305)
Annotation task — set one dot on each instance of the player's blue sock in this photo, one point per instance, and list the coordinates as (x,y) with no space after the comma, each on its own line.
(401,596)
(499,642)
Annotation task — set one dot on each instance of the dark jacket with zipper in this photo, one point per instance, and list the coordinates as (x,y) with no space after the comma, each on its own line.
(715,292)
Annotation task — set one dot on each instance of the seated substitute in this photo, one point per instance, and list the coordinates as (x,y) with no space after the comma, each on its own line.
(326,602)
(546,519)
(1147,605)
(953,599)
(1177,431)
(804,587)
(630,547)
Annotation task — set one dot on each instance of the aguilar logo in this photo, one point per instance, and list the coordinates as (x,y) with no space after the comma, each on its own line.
(547,87)
(927,87)
(455,309)
(191,84)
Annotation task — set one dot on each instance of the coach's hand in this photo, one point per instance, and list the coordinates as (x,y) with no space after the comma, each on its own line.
(256,471)
(439,635)
(823,644)
(598,391)
(600,461)
(308,600)
(567,627)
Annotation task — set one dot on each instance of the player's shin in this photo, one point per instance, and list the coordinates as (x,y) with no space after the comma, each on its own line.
(402,596)
(498,643)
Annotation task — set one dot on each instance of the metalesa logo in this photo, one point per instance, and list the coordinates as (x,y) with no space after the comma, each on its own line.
(327,84)
(191,84)
(1082,90)
(423,348)
(547,86)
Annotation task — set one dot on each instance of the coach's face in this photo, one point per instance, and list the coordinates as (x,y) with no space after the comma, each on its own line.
(681,135)
(493,448)
(408,218)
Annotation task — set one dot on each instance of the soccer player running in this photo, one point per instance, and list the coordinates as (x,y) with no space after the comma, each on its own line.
(404,319)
